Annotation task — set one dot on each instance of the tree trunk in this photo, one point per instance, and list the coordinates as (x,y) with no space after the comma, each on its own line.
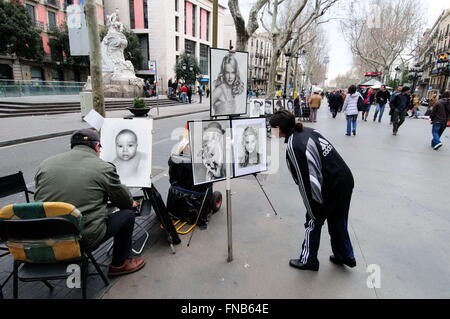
(242,41)
(273,72)
(90,10)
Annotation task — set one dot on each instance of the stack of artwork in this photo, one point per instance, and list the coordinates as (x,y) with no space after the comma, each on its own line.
(208,148)
(245,123)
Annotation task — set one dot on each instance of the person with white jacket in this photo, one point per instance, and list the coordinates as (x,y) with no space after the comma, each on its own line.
(350,108)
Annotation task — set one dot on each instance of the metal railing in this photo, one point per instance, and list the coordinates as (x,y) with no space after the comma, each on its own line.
(14,88)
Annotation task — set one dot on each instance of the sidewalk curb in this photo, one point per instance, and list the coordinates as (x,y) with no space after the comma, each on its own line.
(59,134)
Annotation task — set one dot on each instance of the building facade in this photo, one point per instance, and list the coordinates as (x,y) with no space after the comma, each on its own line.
(435,45)
(166,30)
(260,55)
(46,16)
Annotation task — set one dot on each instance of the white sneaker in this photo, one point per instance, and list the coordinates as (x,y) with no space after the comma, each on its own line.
(438,146)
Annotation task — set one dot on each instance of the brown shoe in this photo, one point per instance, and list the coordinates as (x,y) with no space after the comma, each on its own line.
(128,267)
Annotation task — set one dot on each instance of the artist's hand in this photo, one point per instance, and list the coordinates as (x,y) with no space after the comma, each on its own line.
(135,204)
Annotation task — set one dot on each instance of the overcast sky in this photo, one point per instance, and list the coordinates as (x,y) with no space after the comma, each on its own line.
(339,52)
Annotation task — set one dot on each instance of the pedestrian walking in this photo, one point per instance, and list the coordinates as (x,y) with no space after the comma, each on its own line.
(184,91)
(314,103)
(369,98)
(440,115)
(169,87)
(335,102)
(400,106)
(326,185)
(343,97)
(350,110)
(200,93)
(415,106)
(297,106)
(397,92)
(382,97)
(189,94)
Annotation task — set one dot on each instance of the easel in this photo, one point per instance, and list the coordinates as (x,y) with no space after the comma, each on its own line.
(153,197)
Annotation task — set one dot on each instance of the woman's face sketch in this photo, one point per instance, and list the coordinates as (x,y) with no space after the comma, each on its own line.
(250,143)
(229,74)
(126,146)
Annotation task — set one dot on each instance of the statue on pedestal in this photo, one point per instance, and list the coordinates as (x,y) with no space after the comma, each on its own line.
(119,78)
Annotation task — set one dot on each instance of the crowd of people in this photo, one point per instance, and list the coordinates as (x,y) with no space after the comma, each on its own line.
(353,101)
(183,92)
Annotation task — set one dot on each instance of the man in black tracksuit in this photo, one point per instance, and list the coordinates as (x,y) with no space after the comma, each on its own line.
(326,185)
(400,104)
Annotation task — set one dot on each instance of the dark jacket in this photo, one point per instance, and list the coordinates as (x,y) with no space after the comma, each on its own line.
(401,102)
(441,111)
(318,170)
(335,101)
(79,177)
(383,97)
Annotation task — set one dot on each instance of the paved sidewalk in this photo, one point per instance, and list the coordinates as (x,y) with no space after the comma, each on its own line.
(398,220)
(31,128)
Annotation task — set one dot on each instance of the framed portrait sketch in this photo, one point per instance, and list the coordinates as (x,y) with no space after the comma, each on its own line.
(228,82)
(207,143)
(127,143)
(278,104)
(250,146)
(256,108)
(268,107)
(289,104)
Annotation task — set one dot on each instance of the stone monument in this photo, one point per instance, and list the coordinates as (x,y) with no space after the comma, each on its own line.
(119,79)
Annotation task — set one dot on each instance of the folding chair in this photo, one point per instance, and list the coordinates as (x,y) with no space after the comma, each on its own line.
(43,239)
(13,184)
(10,185)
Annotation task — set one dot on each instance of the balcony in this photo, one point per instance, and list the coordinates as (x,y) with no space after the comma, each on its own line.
(40,26)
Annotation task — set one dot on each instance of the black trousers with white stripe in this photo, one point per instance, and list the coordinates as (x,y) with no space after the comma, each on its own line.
(335,211)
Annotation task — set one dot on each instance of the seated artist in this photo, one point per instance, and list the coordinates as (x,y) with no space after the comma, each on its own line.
(79,177)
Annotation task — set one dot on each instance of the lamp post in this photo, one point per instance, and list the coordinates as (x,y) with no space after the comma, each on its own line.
(415,73)
(397,69)
(287,55)
(303,81)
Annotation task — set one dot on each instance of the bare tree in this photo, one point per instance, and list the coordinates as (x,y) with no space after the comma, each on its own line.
(243,32)
(385,34)
(290,23)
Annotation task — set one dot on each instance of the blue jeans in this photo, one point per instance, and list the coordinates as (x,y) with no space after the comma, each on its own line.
(352,121)
(184,97)
(380,109)
(438,130)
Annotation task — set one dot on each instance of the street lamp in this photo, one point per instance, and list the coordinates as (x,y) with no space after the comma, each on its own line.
(415,73)
(397,69)
(303,81)
(288,56)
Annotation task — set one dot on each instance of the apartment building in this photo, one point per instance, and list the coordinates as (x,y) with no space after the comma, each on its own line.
(166,29)
(46,15)
(435,46)
(260,50)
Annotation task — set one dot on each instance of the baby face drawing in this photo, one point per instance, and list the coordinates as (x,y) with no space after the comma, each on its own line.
(126,145)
